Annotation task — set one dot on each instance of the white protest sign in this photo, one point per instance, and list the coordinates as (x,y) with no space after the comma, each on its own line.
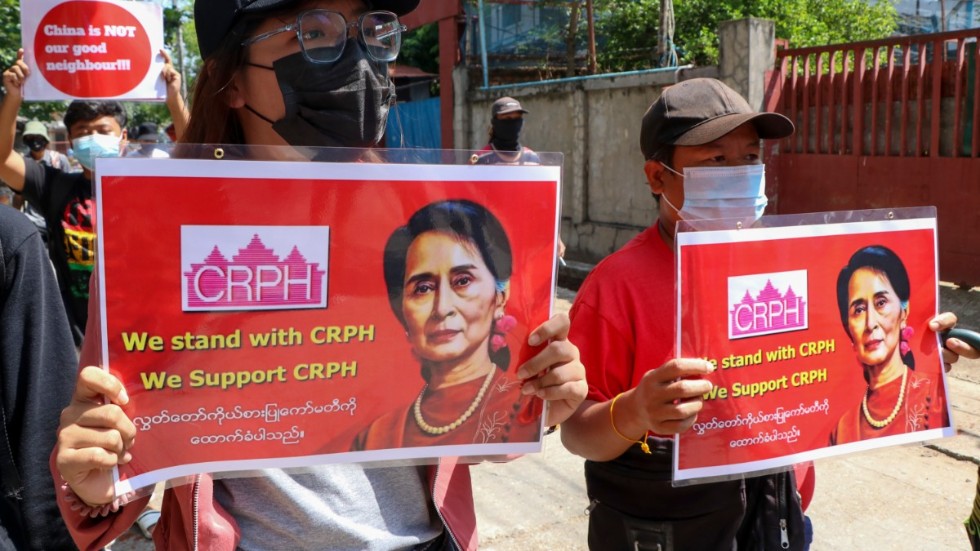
(93,49)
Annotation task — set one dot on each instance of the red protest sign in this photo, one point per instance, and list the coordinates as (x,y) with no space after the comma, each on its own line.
(316,329)
(92,49)
(816,355)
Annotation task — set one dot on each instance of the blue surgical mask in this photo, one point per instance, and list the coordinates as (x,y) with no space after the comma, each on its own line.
(87,148)
(712,193)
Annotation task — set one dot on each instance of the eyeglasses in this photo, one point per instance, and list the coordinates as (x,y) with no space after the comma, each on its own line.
(323,34)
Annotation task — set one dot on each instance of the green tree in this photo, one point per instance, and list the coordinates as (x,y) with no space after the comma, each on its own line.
(420,48)
(629,28)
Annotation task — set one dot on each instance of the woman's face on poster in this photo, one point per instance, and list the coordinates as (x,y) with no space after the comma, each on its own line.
(449,298)
(875,316)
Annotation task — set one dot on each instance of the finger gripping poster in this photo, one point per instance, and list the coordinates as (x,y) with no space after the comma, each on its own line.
(278,314)
(820,340)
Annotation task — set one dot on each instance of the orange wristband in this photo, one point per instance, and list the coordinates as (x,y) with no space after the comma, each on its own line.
(612,421)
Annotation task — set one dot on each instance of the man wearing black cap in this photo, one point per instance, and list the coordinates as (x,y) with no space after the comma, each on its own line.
(148,136)
(698,136)
(506,123)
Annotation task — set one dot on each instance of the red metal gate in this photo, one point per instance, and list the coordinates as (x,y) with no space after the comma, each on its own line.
(885,124)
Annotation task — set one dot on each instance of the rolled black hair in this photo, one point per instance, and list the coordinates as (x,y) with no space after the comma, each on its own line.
(86,110)
(465,220)
(882,260)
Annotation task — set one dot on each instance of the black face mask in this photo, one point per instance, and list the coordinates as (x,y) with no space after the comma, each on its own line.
(36,145)
(340,104)
(506,134)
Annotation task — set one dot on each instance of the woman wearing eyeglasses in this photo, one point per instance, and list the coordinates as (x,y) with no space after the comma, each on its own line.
(287,72)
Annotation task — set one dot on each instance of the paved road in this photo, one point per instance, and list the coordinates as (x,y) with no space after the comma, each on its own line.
(906,498)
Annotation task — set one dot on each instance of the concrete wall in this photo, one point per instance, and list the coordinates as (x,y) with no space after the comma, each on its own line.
(747,51)
(595,123)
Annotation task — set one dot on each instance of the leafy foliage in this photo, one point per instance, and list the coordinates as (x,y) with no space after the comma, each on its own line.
(631,26)
(628,31)
(420,48)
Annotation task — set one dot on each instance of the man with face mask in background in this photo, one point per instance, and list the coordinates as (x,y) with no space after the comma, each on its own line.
(95,129)
(35,137)
(506,124)
(148,139)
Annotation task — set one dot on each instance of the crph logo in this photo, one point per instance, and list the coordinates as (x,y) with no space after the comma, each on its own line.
(767,303)
(254,267)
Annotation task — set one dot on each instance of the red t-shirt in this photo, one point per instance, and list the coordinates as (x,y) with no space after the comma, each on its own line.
(623,316)
(623,323)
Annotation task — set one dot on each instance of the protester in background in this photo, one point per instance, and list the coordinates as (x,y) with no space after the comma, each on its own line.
(506,124)
(96,129)
(171,132)
(37,374)
(332,56)
(504,148)
(35,137)
(147,140)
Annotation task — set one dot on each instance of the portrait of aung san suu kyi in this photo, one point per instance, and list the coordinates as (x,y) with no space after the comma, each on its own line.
(873,297)
(448,272)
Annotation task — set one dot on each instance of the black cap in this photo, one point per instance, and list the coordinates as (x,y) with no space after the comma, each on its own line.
(506,105)
(701,110)
(215,18)
(147,130)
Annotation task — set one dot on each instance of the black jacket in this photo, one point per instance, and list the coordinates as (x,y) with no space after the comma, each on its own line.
(38,363)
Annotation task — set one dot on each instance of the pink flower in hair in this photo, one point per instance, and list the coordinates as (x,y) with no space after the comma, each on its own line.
(906,335)
(500,329)
(505,324)
(497,342)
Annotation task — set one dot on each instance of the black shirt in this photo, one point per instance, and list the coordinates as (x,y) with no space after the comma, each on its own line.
(65,201)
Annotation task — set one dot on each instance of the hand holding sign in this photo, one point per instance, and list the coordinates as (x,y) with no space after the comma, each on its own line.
(14,77)
(170,75)
(94,436)
(175,100)
(667,399)
(953,345)
(556,373)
